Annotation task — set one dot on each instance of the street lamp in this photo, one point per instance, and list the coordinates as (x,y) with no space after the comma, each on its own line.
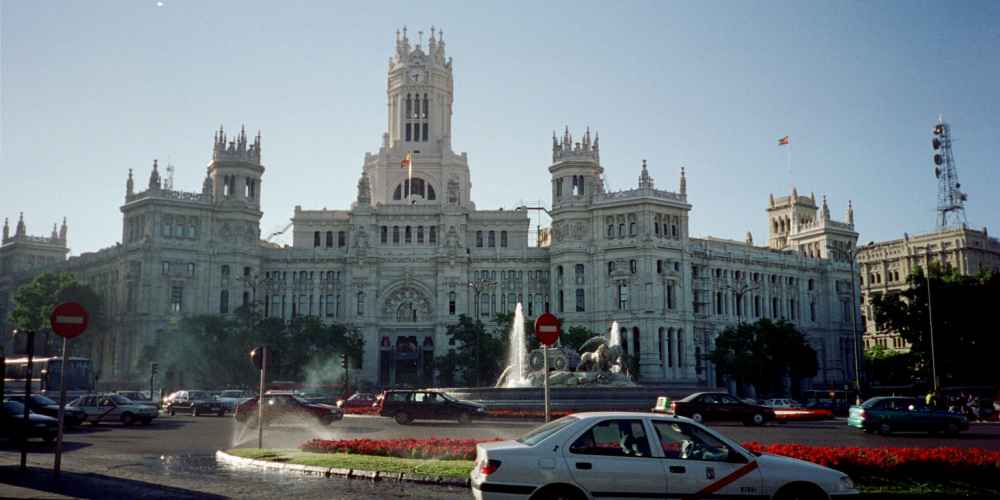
(478,286)
(740,288)
(252,282)
(930,318)
(850,254)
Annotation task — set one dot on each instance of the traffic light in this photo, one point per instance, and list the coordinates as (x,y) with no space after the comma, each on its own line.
(154,368)
(257,356)
(343,360)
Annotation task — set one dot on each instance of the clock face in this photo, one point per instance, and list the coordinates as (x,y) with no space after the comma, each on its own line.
(415,76)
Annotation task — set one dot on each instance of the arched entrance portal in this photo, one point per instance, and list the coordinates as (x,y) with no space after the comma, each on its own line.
(406,347)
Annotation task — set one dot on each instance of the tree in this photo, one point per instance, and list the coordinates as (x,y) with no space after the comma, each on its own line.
(962,307)
(33,304)
(476,355)
(763,354)
(886,367)
(575,336)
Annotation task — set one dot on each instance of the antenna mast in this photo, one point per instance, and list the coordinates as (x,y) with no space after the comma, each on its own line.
(950,198)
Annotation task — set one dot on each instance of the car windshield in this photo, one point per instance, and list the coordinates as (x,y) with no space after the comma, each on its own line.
(198,395)
(300,399)
(122,400)
(232,394)
(446,397)
(42,400)
(539,434)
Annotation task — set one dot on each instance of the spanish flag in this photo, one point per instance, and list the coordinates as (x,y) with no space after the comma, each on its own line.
(407,160)
(783,141)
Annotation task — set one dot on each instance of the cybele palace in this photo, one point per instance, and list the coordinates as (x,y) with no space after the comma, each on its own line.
(409,256)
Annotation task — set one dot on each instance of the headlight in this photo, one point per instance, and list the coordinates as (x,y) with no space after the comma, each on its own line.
(846,483)
(480,410)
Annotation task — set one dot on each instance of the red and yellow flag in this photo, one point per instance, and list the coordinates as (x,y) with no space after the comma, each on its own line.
(407,160)
(783,141)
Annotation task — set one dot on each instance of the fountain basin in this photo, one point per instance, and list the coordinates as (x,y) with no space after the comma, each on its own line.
(582,398)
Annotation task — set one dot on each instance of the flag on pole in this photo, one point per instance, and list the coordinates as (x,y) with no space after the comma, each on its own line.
(783,141)
(407,160)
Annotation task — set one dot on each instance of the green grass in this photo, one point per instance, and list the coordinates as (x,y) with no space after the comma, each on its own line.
(458,469)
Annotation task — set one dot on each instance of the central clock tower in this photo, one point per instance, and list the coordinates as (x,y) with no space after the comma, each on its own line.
(420,95)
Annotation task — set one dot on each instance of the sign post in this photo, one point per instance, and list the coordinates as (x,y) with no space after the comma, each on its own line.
(68,321)
(547,332)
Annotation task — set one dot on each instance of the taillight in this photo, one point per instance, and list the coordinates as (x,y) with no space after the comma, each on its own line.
(861,413)
(673,407)
(488,467)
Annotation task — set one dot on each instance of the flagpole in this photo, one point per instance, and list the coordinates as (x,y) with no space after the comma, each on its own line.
(409,179)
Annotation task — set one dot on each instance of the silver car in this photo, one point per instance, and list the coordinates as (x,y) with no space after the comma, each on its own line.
(115,408)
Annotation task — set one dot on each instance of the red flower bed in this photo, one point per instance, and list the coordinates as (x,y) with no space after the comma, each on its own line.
(938,463)
(924,463)
(440,448)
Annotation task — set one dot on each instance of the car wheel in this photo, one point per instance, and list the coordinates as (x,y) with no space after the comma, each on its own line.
(326,419)
(146,421)
(402,418)
(127,419)
(757,419)
(464,418)
(194,411)
(800,491)
(222,413)
(697,417)
(558,493)
(884,429)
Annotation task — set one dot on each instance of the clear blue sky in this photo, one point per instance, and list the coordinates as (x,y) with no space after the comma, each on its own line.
(91,89)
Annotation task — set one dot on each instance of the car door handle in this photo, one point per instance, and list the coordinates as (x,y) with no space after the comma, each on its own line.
(584,465)
(678,469)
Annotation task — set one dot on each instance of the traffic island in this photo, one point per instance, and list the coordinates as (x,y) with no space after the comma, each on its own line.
(351,466)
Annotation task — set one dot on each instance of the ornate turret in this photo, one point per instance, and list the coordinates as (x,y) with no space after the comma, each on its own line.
(749,238)
(237,148)
(154,177)
(63,230)
(55,231)
(850,213)
(684,184)
(129,184)
(364,190)
(206,185)
(825,211)
(645,181)
(6,229)
(21,229)
(585,149)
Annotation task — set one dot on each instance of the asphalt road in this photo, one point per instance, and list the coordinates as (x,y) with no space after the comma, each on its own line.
(174,457)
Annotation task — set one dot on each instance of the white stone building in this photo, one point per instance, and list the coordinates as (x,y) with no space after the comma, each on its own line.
(409,256)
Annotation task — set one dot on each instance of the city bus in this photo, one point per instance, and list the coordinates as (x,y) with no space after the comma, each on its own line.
(45,376)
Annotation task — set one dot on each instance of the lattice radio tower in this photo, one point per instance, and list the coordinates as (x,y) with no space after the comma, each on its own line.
(950,198)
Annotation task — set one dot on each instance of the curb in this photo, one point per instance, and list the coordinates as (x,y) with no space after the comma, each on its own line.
(312,470)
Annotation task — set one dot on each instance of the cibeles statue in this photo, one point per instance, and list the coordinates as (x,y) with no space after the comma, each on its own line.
(600,361)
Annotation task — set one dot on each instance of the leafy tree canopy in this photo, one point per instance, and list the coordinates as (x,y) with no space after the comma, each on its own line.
(763,353)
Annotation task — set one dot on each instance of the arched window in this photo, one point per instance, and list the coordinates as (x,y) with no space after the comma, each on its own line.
(503,239)
(341,239)
(451,303)
(426,112)
(659,343)
(316,239)
(561,303)
(224,302)
(484,304)
(433,236)
(409,107)
(395,235)
(611,267)
(361,303)
(385,234)
(580,302)
(407,235)
(479,239)
(492,239)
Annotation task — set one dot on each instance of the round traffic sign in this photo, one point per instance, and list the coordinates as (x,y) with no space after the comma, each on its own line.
(69,319)
(547,329)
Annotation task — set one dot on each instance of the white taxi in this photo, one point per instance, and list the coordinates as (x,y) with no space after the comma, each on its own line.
(641,455)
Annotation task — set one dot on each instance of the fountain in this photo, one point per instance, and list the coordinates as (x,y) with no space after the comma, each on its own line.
(603,365)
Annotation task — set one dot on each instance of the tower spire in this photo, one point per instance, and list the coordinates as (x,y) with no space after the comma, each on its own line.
(129,184)
(154,177)
(21,229)
(850,213)
(63,230)
(684,183)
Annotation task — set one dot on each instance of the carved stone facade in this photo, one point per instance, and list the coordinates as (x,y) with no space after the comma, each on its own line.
(413,253)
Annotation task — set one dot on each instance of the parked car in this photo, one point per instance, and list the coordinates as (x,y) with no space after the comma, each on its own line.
(287,407)
(42,405)
(194,402)
(114,408)
(886,415)
(357,400)
(232,398)
(12,423)
(641,455)
(782,403)
(138,397)
(408,405)
(719,406)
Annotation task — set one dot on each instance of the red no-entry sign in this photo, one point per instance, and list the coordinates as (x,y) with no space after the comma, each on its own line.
(69,320)
(547,329)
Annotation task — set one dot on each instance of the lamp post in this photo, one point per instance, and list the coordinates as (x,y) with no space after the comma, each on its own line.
(740,288)
(930,318)
(478,286)
(851,254)
(252,282)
